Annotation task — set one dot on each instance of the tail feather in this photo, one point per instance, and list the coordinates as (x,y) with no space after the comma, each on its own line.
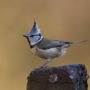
(78,42)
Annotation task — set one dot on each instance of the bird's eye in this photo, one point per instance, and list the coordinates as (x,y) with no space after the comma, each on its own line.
(32,36)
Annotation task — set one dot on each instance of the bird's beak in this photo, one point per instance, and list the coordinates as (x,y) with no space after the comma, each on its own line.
(25,36)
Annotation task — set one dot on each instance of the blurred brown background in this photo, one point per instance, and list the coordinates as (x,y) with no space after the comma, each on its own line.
(67,20)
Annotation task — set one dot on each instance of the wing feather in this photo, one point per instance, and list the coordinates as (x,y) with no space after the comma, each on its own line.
(47,44)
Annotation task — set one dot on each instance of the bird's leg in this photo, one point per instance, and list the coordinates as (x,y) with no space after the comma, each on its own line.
(45,64)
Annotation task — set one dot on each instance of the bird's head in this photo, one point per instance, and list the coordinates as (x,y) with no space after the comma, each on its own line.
(34,36)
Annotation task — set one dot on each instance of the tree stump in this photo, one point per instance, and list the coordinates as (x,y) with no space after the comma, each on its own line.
(71,77)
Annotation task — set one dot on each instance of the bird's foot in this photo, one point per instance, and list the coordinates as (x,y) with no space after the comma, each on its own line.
(42,67)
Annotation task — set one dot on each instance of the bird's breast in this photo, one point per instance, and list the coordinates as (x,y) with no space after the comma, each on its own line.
(48,53)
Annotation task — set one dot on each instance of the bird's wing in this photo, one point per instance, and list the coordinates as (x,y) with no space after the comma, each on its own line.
(47,44)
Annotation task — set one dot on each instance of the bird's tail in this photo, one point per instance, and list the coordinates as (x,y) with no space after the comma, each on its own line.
(77,42)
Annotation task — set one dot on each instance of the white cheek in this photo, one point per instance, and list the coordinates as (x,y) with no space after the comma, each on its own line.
(35,39)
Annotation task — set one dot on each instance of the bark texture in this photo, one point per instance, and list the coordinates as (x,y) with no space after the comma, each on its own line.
(70,77)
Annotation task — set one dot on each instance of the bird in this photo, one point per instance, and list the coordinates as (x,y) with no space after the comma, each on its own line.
(45,48)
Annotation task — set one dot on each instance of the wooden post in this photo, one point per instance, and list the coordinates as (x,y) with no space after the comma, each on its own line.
(71,77)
